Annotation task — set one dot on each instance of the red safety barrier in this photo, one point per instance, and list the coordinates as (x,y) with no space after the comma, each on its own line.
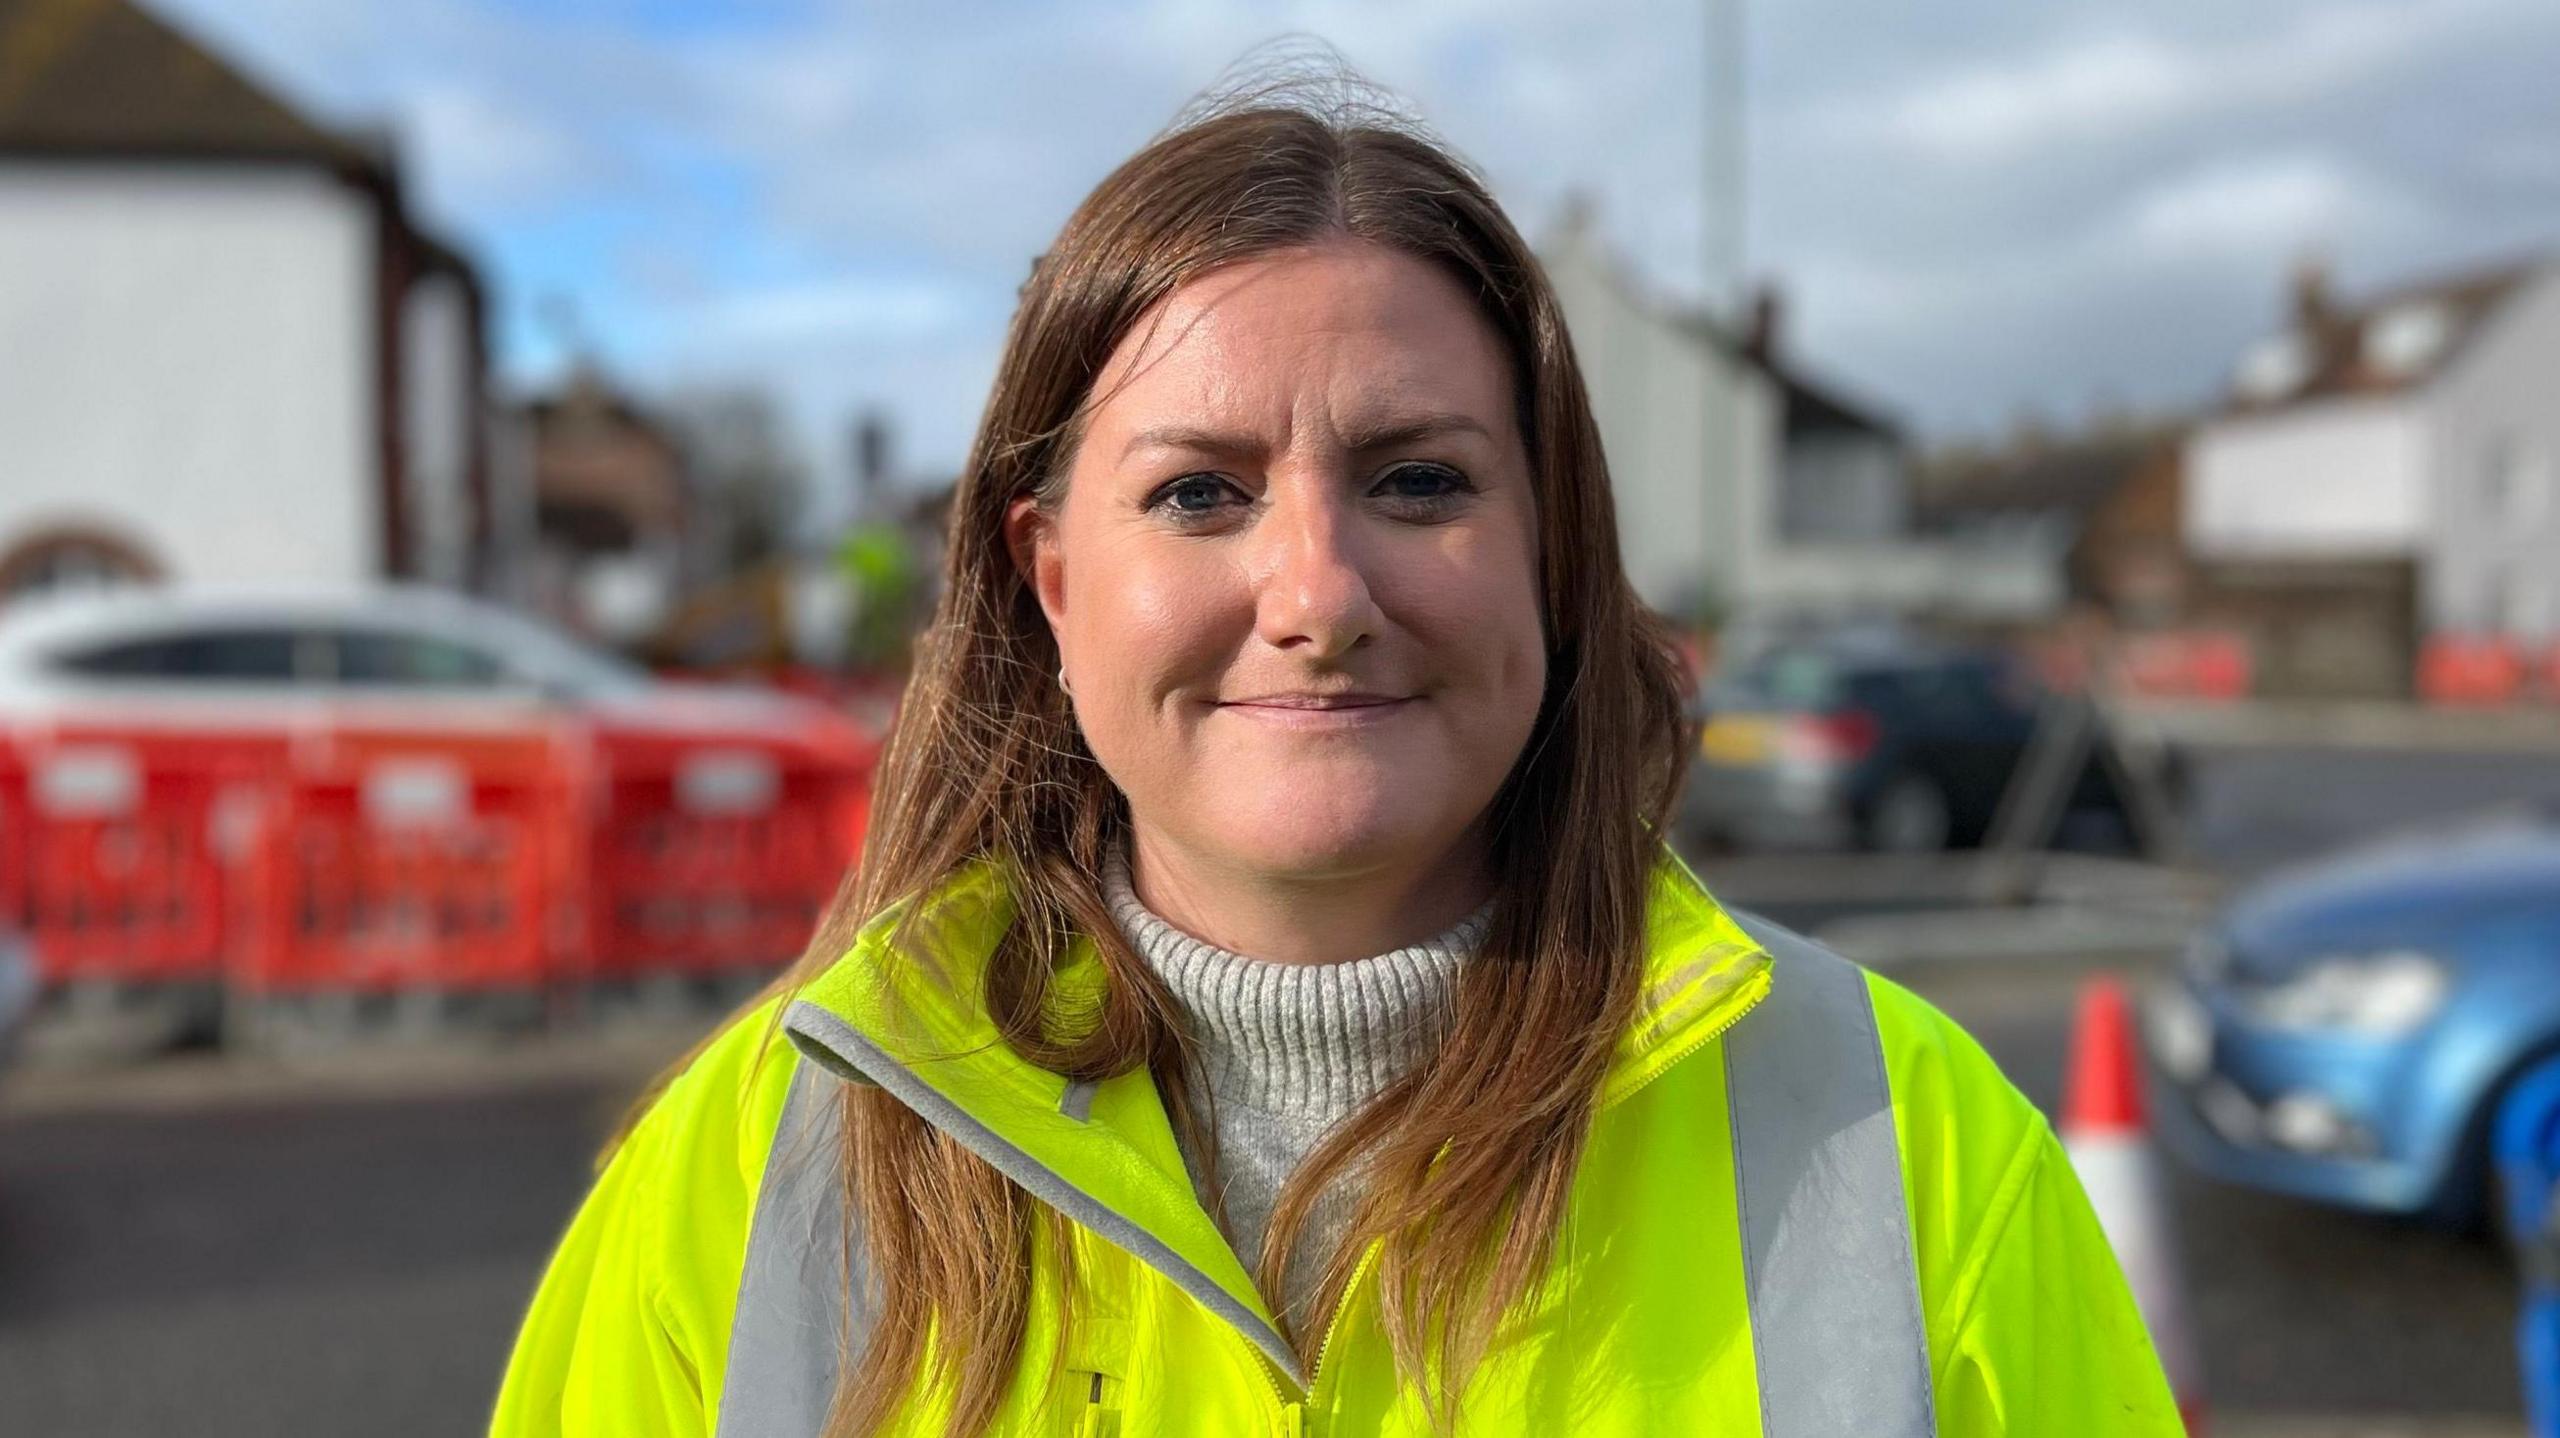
(129,848)
(13,834)
(430,861)
(716,855)
(2187,664)
(2460,669)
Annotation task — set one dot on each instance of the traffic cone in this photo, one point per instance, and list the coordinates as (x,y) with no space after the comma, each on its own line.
(2108,1137)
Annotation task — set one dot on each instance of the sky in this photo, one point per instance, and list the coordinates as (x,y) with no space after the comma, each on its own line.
(1976,211)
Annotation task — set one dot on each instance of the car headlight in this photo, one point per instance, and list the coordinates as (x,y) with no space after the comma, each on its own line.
(2377,995)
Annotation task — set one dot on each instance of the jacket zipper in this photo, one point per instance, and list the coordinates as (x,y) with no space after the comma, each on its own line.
(1690,1047)
(1295,1422)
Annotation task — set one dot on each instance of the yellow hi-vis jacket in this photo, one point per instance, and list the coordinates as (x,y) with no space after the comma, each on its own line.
(1810,1207)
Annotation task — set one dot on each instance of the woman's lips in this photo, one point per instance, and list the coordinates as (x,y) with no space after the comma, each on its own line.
(1319,711)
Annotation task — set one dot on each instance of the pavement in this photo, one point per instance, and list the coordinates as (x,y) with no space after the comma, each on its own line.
(2356,725)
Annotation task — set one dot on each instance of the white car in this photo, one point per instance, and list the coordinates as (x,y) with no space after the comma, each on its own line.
(186,653)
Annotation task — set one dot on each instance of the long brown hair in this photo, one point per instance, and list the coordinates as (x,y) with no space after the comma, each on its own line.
(1465,1166)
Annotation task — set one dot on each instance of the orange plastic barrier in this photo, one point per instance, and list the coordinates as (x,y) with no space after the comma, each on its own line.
(715,854)
(402,861)
(335,856)
(129,849)
(2188,664)
(2470,670)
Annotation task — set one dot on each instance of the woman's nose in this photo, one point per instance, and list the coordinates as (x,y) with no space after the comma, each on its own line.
(1315,596)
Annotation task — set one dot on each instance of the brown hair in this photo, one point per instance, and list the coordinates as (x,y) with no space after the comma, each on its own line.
(1466,1165)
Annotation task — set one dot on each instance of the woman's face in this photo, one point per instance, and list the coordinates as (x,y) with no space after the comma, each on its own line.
(1293,577)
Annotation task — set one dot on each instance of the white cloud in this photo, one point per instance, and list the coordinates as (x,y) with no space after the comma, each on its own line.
(480,152)
(1976,204)
(2120,81)
(855,308)
(2264,207)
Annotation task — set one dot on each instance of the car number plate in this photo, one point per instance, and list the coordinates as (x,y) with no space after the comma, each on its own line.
(1734,741)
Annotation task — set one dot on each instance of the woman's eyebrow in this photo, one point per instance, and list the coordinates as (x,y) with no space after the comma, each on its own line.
(1401,430)
(1385,433)
(1191,437)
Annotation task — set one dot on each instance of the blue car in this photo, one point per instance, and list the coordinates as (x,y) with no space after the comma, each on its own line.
(2343,1032)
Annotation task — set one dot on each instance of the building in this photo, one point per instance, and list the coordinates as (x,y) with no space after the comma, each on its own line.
(2383,472)
(232,353)
(1747,487)
(2106,500)
(611,505)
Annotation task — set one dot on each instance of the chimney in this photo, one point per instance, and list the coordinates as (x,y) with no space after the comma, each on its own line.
(870,461)
(1768,312)
(2315,310)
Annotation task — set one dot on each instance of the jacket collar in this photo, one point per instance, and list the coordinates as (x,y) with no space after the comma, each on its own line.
(911,1021)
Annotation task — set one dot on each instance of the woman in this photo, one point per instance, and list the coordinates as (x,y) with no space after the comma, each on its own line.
(1265,1005)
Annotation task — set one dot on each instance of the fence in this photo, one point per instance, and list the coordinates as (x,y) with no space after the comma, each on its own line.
(342,860)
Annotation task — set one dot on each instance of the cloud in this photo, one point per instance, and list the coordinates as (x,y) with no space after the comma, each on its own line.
(860,309)
(2115,82)
(2261,207)
(1978,206)
(482,153)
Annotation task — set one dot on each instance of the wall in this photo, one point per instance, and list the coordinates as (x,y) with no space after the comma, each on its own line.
(437,415)
(1676,432)
(2328,479)
(1842,484)
(2493,547)
(188,362)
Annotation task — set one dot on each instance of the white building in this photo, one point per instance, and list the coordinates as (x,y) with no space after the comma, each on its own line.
(1742,482)
(2419,429)
(229,354)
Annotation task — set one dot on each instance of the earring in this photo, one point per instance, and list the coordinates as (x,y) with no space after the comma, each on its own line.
(1063,686)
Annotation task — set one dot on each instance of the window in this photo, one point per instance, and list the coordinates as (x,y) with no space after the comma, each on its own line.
(383,656)
(243,655)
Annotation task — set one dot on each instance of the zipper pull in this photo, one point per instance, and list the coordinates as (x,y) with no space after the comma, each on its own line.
(1293,1420)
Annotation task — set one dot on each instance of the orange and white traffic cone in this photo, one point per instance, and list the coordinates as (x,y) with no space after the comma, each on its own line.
(2108,1136)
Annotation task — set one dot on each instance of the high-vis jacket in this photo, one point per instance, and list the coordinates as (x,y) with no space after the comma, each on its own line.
(1809,1206)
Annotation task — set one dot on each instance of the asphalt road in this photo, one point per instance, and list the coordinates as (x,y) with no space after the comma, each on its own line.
(2250,809)
(281,1255)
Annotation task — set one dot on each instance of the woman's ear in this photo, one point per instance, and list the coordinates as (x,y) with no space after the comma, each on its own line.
(1031,536)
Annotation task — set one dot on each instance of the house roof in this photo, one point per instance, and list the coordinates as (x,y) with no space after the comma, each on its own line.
(100,78)
(2397,339)
(1810,404)
(2066,481)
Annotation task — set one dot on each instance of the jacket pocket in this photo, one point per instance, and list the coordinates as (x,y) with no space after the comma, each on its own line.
(1092,1407)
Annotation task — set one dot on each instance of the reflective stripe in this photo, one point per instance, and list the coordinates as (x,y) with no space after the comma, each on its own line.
(1826,1240)
(797,1288)
(1834,1295)
(832,1042)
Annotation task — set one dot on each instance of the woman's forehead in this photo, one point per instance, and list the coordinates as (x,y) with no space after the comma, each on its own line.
(1362,337)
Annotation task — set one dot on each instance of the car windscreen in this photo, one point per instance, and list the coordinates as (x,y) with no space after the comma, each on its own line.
(1787,679)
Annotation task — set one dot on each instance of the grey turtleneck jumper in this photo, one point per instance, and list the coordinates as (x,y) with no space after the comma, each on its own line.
(1289,1051)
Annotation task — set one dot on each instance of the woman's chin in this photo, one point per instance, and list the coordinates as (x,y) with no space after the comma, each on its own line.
(1331,843)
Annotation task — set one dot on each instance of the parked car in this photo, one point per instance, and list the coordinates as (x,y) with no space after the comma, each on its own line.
(250,655)
(1895,747)
(19,989)
(2343,1032)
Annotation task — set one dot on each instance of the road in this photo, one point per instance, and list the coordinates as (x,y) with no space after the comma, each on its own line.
(223,1257)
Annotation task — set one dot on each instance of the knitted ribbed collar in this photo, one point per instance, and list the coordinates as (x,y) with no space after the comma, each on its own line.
(1318,1040)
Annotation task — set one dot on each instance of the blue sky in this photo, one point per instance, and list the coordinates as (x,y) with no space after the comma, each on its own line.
(1977,209)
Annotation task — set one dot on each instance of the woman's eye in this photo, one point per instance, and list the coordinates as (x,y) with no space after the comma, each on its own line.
(1413,482)
(1193,494)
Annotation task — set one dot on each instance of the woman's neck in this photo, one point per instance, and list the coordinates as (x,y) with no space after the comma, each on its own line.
(1309,918)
